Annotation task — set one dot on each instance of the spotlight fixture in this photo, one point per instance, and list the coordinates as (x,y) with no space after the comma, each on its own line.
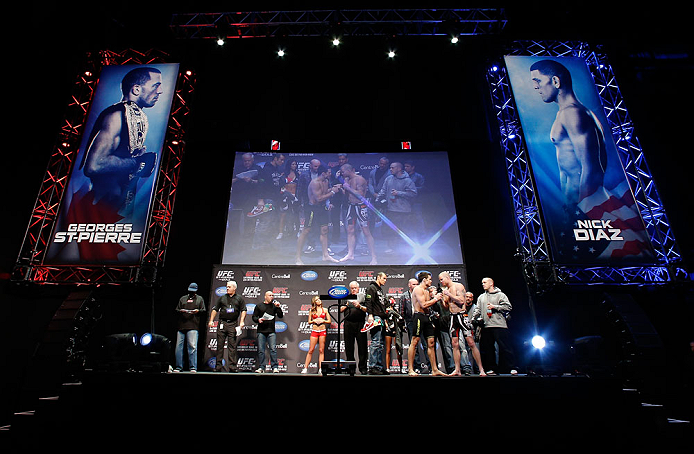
(145,339)
(280,53)
(391,54)
(538,342)
(336,42)
(454,39)
(220,42)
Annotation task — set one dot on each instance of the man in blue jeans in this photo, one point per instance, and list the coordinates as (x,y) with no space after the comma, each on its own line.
(189,308)
(264,315)
(374,300)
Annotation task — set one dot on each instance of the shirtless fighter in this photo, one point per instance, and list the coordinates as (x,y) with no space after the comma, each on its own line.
(357,212)
(423,326)
(454,300)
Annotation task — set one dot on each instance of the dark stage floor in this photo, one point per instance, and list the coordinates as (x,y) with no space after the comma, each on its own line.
(125,410)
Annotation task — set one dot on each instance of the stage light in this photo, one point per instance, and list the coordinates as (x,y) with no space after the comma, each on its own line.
(336,42)
(494,68)
(538,342)
(145,339)
(220,42)
(454,40)
(280,53)
(391,54)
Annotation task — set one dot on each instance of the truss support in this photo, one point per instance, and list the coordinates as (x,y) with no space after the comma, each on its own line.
(539,268)
(377,22)
(29,267)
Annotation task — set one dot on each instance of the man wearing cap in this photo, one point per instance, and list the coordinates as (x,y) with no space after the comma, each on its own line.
(189,308)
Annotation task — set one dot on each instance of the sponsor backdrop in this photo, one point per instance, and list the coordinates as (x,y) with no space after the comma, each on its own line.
(294,287)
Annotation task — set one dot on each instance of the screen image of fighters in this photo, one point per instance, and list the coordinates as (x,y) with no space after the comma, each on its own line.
(585,198)
(347,208)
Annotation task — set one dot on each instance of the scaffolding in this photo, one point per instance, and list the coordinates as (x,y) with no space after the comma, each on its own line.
(539,267)
(369,22)
(30,267)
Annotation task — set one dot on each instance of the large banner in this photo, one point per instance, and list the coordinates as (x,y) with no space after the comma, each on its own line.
(294,287)
(352,208)
(585,198)
(104,212)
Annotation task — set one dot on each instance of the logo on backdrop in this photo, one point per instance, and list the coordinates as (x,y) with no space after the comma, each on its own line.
(309,275)
(338,291)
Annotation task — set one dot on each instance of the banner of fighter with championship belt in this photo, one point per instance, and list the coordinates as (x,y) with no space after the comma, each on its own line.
(585,198)
(104,211)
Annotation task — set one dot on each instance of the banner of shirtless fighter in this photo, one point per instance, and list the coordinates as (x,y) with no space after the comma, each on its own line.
(104,212)
(585,198)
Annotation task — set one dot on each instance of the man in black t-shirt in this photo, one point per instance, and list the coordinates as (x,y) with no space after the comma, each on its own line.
(355,316)
(232,313)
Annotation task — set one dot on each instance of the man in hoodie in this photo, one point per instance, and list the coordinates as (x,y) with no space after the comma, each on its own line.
(398,191)
(494,307)
(375,302)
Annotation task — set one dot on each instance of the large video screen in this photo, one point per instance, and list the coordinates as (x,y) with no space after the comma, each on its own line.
(349,208)
(585,198)
(104,211)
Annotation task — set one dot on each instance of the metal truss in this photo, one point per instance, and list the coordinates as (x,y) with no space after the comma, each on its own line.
(388,22)
(29,266)
(533,247)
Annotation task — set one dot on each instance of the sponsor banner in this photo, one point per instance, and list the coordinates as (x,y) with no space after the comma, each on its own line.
(585,198)
(294,287)
(104,211)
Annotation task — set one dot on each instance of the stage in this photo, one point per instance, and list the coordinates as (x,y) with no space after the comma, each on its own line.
(128,409)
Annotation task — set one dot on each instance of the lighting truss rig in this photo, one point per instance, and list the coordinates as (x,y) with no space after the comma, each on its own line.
(388,22)
(533,247)
(29,267)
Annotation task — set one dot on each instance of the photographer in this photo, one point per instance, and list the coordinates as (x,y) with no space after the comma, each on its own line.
(394,326)
(493,308)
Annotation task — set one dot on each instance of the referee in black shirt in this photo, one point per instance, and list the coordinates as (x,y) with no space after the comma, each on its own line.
(232,313)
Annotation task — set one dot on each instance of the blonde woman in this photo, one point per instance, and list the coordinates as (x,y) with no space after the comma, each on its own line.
(319,319)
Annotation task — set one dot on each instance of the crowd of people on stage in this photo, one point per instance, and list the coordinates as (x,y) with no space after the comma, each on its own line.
(472,335)
(308,202)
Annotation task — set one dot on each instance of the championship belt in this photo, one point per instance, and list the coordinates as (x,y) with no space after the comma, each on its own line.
(137,124)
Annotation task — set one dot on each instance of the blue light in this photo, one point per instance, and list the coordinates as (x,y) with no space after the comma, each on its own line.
(145,339)
(538,342)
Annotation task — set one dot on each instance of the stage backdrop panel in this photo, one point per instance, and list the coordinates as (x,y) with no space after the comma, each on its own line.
(585,199)
(294,287)
(417,228)
(104,212)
